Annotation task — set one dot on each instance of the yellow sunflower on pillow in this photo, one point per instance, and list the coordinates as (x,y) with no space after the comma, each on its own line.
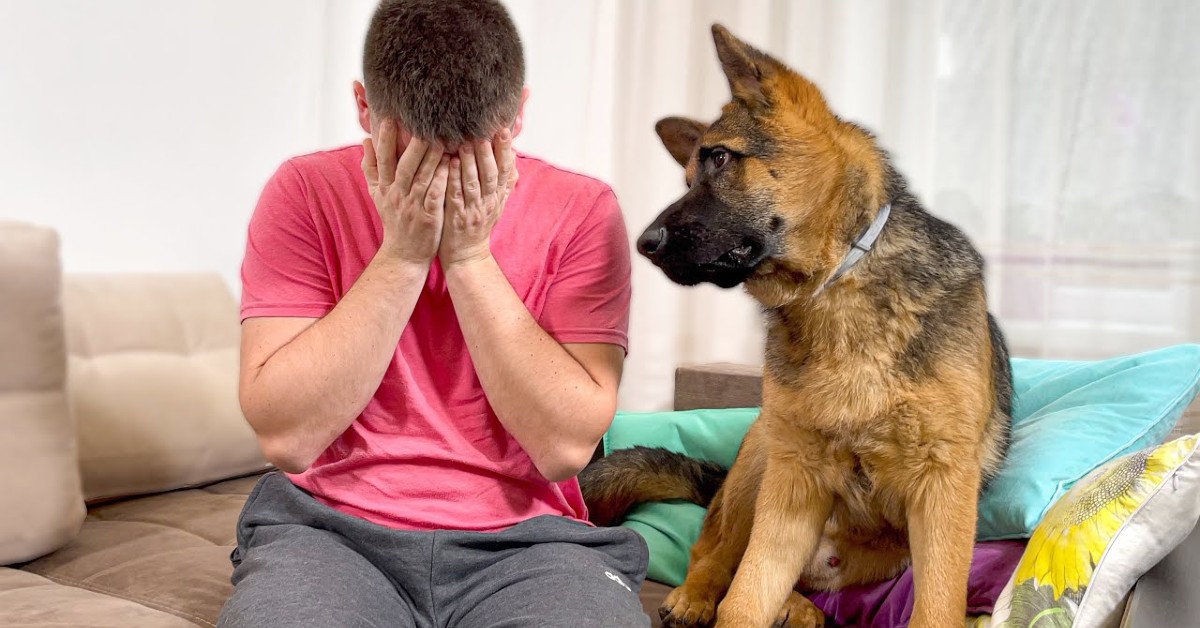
(1068,544)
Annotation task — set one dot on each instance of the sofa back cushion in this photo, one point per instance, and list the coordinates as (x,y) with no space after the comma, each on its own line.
(40,503)
(152,379)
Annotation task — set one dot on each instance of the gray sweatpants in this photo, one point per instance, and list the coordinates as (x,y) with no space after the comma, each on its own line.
(301,563)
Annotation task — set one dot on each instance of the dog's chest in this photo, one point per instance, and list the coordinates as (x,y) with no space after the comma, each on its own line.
(869,496)
(831,397)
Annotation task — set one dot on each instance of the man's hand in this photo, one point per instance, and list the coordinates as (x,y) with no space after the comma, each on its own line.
(304,381)
(557,401)
(409,194)
(482,176)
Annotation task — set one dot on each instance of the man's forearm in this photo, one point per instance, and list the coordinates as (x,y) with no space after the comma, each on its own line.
(544,397)
(309,391)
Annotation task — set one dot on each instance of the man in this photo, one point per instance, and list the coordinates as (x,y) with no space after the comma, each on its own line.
(430,353)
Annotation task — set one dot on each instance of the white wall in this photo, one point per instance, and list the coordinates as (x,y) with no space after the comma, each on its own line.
(143,130)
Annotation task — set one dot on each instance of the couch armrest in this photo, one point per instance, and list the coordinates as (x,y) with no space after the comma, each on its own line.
(1189,423)
(721,385)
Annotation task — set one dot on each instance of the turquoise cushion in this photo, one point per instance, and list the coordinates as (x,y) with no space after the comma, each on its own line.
(1069,417)
(670,529)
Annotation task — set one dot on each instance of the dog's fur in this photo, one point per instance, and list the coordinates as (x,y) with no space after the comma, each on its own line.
(886,394)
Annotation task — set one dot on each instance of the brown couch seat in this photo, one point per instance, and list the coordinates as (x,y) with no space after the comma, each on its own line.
(164,559)
(30,600)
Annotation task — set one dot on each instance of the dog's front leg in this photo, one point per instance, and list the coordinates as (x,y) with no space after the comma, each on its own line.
(941,529)
(723,539)
(789,516)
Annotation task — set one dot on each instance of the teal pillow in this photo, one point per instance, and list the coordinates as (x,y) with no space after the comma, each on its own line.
(1069,417)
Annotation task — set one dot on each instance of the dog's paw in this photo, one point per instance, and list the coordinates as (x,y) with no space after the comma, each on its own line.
(799,612)
(685,609)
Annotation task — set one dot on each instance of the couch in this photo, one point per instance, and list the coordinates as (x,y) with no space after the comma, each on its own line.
(124,459)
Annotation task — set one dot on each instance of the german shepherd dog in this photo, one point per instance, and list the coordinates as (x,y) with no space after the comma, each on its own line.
(886,383)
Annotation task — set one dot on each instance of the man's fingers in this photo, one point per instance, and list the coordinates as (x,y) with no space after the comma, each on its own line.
(506,159)
(370,164)
(454,186)
(485,161)
(414,159)
(470,173)
(435,195)
(385,152)
(425,173)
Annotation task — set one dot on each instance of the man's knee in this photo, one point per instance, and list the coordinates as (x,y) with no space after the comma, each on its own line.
(586,581)
(337,601)
(621,550)
(247,610)
(239,612)
(298,576)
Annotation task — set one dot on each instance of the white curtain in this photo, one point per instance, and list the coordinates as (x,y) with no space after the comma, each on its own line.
(1068,144)
(1063,137)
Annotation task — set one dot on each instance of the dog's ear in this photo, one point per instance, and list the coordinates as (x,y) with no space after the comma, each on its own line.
(680,136)
(755,77)
(744,66)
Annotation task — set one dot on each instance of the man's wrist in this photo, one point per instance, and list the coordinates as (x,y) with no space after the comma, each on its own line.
(398,266)
(467,263)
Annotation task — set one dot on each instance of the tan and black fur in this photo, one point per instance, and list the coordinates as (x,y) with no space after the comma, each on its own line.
(886,394)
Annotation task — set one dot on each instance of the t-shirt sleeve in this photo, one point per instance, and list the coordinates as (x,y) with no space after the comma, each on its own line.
(284,271)
(588,298)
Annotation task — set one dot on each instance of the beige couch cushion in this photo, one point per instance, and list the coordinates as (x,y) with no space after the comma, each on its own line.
(163,557)
(29,600)
(40,503)
(153,382)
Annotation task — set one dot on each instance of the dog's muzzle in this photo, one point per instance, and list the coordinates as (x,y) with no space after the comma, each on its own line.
(692,254)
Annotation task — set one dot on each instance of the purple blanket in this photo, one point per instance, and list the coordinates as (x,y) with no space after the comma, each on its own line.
(889,604)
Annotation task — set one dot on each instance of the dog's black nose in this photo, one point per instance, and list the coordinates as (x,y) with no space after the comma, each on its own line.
(652,241)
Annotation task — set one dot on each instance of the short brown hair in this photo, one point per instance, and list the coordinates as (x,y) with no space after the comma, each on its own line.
(446,69)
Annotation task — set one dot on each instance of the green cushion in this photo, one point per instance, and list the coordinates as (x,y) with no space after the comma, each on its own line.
(713,435)
(670,529)
(1070,417)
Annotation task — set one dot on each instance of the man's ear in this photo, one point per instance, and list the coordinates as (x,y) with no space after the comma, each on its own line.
(364,108)
(681,136)
(519,123)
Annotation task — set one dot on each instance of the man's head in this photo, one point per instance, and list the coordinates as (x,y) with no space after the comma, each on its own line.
(446,70)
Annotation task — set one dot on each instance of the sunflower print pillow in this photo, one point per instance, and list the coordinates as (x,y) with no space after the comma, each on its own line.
(1101,536)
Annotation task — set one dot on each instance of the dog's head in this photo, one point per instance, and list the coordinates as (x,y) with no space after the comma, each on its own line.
(774,185)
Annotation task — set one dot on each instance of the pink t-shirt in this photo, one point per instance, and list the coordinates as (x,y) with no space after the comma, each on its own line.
(428,451)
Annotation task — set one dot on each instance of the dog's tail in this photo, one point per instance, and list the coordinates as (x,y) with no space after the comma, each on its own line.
(614,484)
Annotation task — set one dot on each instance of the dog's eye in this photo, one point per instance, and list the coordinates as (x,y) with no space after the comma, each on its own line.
(718,158)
